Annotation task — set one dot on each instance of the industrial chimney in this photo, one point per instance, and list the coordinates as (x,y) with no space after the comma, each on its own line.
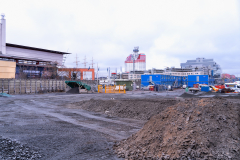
(3,35)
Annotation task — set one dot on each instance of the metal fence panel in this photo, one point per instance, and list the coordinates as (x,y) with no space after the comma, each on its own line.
(31,86)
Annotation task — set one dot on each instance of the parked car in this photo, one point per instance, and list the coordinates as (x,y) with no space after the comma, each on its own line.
(213,88)
(145,88)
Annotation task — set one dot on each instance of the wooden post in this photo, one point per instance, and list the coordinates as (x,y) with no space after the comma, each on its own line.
(35,86)
(14,86)
(40,84)
(2,86)
(20,87)
(52,86)
(25,86)
(48,85)
(8,87)
(30,86)
(44,85)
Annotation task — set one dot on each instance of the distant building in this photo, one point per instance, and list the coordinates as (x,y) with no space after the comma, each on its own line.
(207,66)
(140,63)
(182,73)
(173,69)
(228,76)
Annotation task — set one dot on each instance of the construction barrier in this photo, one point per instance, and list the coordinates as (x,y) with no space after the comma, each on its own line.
(112,89)
(100,89)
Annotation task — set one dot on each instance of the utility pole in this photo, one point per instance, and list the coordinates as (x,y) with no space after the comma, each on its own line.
(120,73)
(76,61)
(134,57)
(92,63)
(97,73)
(85,65)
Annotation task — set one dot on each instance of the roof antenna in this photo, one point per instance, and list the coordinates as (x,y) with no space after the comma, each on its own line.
(3,15)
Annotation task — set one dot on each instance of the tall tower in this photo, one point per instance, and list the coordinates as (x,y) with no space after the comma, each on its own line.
(139,63)
(134,57)
(3,35)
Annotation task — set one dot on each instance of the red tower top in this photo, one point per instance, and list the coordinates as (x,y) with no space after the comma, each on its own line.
(141,58)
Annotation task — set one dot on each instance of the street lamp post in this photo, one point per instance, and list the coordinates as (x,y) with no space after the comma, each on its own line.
(134,58)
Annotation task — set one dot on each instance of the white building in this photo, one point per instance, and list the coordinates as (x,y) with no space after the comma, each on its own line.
(140,63)
(182,73)
(207,66)
(28,57)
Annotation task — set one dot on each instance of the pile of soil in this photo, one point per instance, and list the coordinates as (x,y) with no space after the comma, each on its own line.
(10,149)
(193,129)
(187,95)
(227,90)
(74,90)
(142,109)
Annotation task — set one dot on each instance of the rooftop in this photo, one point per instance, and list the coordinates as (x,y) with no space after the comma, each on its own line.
(33,48)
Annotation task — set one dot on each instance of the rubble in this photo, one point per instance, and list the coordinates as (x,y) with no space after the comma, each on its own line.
(10,149)
(197,129)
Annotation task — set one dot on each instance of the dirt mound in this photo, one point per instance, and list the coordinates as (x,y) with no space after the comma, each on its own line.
(141,109)
(187,95)
(73,90)
(227,90)
(193,129)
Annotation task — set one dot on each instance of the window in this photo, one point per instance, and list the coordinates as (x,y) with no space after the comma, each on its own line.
(150,78)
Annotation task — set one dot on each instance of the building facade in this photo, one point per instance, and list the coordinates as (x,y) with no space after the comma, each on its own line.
(182,73)
(140,63)
(207,66)
(30,61)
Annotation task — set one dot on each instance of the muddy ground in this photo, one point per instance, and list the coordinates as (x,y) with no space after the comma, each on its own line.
(78,126)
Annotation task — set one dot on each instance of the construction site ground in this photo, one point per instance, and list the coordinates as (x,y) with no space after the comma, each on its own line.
(87,126)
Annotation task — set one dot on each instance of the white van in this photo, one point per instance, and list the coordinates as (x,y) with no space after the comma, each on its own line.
(233,86)
(237,82)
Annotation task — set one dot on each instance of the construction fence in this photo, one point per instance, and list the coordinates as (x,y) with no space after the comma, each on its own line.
(112,89)
(28,86)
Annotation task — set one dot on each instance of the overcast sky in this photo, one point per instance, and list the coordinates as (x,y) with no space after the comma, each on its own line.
(169,32)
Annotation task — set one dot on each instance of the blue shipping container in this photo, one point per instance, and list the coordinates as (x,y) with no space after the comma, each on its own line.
(197,79)
(205,88)
(155,78)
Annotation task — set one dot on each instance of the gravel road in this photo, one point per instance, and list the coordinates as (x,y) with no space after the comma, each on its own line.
(49,127)
(49,130)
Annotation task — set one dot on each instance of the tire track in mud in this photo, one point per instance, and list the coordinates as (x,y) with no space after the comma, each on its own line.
(91,121)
